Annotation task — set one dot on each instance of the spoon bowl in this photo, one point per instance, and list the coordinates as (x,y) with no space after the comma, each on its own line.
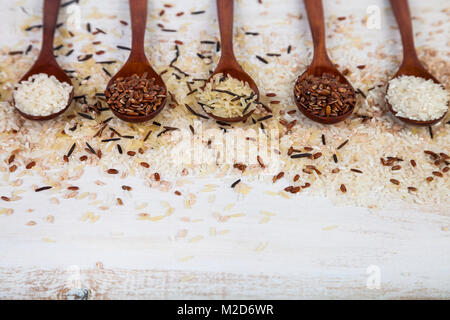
(138,67)
(137,62)
(46,62)
(228,64)
(321,63)
(318,70)
(420,72)
(411,65)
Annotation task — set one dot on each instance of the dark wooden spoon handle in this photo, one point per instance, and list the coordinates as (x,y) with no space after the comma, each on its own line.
(138,12)
(314,9)
(403,17)
(225,11)
(51,9)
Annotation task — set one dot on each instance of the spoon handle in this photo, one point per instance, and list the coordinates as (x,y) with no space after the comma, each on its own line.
(51,9)
(314,9)
(225,9)
(138,12)
(403,17)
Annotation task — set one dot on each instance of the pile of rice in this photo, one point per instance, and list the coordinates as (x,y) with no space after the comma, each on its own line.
(41,95)
(369,134)
(224,104)
(416,98)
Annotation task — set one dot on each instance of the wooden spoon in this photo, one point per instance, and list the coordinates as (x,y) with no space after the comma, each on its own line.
(137,62)
(411,65)
(46,62)
(228,64)
(321,63)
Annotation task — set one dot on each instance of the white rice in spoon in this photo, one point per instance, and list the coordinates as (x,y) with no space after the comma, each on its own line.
(417,99)
(41,95)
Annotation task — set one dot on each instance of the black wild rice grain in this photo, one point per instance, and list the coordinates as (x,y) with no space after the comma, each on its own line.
(200,56)
(43,188)
(28,49)
(58,47)
(273,54)
(13,53)
(88,27)
(72,148)
(68,3)
(192,129)
(246,108)
(100,30)
(69,52)
(115,131)
(265,118)
(223,123)
(106,62)
(169,30)
(83,97)
(361,93)
(430,130)
(301,155)
(252,33)
(194,112)
(323,140)
(157,123)
(128,137)
(207,42)
(265,107)
(111,139)
(342,144)
(162,132)
(225,91)
(180,71)
(119,148)
(123,48)
(85,57)
(198,12)
(235,183)
(90,148)
(106,71)
(107,120)
(262,59)
(38,26)
(335,158)
(218,46)
(86,116)
(289,48)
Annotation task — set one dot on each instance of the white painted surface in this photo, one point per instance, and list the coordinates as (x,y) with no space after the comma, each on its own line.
(308,249)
